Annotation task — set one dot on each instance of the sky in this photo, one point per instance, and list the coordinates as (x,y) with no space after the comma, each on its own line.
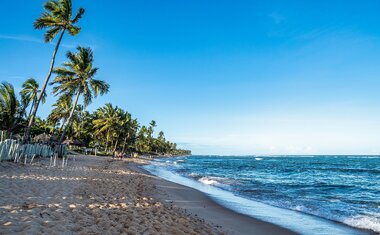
(223,77)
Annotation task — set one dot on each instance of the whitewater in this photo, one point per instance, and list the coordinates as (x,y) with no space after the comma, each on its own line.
(324,192)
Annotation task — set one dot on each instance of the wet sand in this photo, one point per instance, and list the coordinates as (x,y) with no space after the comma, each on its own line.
(199,205)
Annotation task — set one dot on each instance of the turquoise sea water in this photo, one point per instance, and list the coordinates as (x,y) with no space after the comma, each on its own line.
(345,189)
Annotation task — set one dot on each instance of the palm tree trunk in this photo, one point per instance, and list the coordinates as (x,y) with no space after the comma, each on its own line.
(107,140)
(71,115)
(31,108)
(63,124)
(125,142)
(54,128)
(35,108)
(117,140)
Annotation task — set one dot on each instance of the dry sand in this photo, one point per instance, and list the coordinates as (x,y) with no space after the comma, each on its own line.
(96,195)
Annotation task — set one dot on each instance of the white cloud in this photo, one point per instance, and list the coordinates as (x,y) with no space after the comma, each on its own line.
(21,38)
(25,38)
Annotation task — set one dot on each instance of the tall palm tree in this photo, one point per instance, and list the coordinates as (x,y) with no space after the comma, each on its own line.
(30,91)
(57,19)
(76,78)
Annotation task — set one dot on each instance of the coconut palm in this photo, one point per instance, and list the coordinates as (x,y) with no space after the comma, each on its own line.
(83,128)
(107,122)
(150,140)
(61,110)
(30,91)
(152,125)
(57,19)
(142,143)
(76,78)
(11,110)
(129,130)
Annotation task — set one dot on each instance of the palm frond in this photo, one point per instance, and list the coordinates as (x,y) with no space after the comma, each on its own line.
(63,72)
(66,9)
(51,6)
(45,21)
(87,96)
(43,98)
(56,17)
(73,30)
(78,15)
(99,87)
(51,33)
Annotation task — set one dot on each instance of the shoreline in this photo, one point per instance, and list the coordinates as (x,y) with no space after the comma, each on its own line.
(198,204)
(337,225)
(99,195)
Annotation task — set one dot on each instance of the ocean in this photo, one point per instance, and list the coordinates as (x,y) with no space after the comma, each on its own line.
(308,194)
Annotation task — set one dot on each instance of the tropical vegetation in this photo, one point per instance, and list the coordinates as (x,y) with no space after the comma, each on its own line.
(108,128)
(57,19)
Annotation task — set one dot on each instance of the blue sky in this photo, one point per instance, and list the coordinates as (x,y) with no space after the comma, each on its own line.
(224,77)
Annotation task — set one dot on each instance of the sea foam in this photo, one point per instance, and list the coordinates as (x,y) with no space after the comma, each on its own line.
(364,222)
(209,181)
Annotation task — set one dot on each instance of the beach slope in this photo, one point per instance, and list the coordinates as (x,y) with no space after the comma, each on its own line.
(103,196)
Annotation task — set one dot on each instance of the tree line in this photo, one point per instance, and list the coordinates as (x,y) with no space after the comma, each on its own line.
(108,127)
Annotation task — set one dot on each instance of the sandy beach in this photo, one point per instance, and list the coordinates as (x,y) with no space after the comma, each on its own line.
(97,195)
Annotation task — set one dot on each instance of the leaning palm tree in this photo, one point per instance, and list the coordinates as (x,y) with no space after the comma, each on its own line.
(76,78)
(57,18)
(30,91)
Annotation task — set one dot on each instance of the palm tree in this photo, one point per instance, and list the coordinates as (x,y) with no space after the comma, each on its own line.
(107,122)
(30,91)
(8,106)
(142,143)
(161,142)
(57,18)
(61,110)
(129,129)
(152,125)
(150,139)
(76,78)
(83,127)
